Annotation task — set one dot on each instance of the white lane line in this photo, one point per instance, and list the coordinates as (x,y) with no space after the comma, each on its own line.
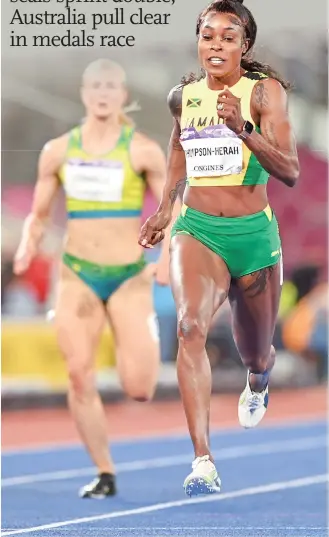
(251,491)
(300,444)
(308,420)
(196,528)
(170,529)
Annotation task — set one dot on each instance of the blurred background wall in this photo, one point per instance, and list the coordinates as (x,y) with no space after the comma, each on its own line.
(40,100)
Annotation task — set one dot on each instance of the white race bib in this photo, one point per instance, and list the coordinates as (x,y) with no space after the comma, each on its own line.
(94,181)
(212,152)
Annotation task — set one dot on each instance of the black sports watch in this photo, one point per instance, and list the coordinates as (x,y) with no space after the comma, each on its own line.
(247,130)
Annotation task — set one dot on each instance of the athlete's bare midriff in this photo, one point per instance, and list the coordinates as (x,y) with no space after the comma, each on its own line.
(228,201)
(106,241)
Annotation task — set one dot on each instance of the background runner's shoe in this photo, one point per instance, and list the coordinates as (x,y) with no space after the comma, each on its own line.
(252,406)
(104,485)
(203,479)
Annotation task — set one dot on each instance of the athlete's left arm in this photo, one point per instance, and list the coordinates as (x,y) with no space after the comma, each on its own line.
(275,147)
(155,172)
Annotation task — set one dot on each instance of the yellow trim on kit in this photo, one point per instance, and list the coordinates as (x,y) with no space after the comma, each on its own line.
(184,209)
(268,212)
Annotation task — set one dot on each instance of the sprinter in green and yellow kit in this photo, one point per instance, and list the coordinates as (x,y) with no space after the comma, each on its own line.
(231,132)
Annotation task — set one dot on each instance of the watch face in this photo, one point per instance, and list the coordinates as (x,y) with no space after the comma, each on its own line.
(248,127)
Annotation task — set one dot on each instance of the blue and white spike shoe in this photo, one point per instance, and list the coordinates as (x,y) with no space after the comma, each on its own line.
(252,406)
(203,479)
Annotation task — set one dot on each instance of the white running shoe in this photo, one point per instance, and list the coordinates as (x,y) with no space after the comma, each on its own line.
(252,406)
(203,479)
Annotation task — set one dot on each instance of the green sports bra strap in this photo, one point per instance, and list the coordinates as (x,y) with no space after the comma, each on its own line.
(128,134)
(75,138)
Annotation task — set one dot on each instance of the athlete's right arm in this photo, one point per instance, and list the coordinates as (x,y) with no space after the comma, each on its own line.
(176,164)
(44,194)
(152,231)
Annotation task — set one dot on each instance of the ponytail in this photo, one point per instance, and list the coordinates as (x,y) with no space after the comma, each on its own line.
(251,65)
(125,118)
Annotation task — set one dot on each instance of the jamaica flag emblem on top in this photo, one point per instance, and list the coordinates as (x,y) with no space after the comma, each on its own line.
(193,103)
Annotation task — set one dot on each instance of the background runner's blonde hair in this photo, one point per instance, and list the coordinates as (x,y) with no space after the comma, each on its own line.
(120,75)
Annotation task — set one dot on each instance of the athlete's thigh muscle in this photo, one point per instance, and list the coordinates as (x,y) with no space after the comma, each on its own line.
(79,317)
(200,279)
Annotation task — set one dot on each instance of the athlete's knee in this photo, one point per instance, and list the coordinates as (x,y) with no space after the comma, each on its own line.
(81,376)
(191,329)
(141,392)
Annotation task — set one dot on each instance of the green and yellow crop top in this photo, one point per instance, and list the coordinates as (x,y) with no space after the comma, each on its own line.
(215,156)
(101,186)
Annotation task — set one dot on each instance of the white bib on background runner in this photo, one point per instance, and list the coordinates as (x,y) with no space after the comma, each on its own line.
(94,181)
